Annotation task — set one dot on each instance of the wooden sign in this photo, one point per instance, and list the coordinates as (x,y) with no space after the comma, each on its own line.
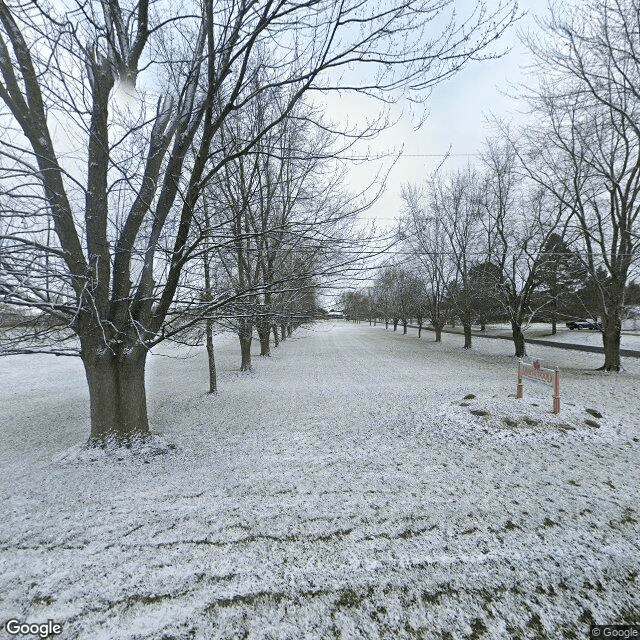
(536,371)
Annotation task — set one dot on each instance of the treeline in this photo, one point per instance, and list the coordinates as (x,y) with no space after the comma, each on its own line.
(165,167)
(546,225)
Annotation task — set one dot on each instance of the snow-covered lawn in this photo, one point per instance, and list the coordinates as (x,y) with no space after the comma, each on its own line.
(340,490)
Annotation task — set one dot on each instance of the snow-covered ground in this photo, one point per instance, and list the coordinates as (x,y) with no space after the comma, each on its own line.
(343,489)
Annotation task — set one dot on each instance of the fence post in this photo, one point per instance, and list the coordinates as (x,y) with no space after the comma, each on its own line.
(556,392)
(519,386)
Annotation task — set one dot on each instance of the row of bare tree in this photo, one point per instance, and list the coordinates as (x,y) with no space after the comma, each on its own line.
(551,209)
(140,156)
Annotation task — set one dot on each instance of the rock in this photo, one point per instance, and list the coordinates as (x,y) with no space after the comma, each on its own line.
(469,396)
(594,413)
(479,412)
(464,404)
(592,423)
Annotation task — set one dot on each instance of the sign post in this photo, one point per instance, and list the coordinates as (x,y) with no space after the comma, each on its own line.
(536,371)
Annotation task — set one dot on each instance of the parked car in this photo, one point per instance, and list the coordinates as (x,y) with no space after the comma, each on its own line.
(584,324)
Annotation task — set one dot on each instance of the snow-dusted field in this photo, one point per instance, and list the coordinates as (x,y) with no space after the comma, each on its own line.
(340,490)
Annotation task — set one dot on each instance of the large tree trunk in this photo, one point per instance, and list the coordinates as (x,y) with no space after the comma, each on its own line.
(518,339)
(276,337)
(213,381)
(395,323)
(611,333)
(554,325)
(289,329)
(245,330)
(404,327)
(437,326)
(467,335)
(264,330)
(116,394)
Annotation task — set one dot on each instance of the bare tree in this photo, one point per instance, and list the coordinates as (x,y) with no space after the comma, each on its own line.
(425,240)
(518,220)
(96,221)
(588,152)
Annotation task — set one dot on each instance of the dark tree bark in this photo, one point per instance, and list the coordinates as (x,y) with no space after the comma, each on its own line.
(404,326)
(283,332)
(467,335)
(264,330)
(276,337)
(245,331)
(213,382)
(395,323)
(116,393)
(289,329)
(420,328)
(518,340)
(438,326)
(612,327)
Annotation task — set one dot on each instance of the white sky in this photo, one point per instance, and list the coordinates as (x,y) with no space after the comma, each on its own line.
(458,111)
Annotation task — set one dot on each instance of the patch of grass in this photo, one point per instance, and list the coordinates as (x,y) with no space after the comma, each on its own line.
(434,598)
(469,396)
(479,412)
(510,422)
(628,518)
(349,598)
(510,526)
(548,522)
(42,600)
(532,422)
(478,629)
(628,616)
(592,423)
(467,532)
(535,624)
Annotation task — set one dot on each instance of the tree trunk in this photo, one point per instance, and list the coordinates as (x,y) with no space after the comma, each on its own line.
(554,325)
(264,331)
(420,329)
(518,339)
(437,326)
(245,330)
(467,335)
(283,332)
(386,323)
(213,382)
(395,323)
(404,327)
(289,329)
(483,325)
(116,394)
(276,337)
(611,332)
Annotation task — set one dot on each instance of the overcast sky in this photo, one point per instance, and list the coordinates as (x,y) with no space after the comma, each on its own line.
(458,112)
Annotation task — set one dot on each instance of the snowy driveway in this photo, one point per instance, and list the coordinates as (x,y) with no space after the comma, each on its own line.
(337,491)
